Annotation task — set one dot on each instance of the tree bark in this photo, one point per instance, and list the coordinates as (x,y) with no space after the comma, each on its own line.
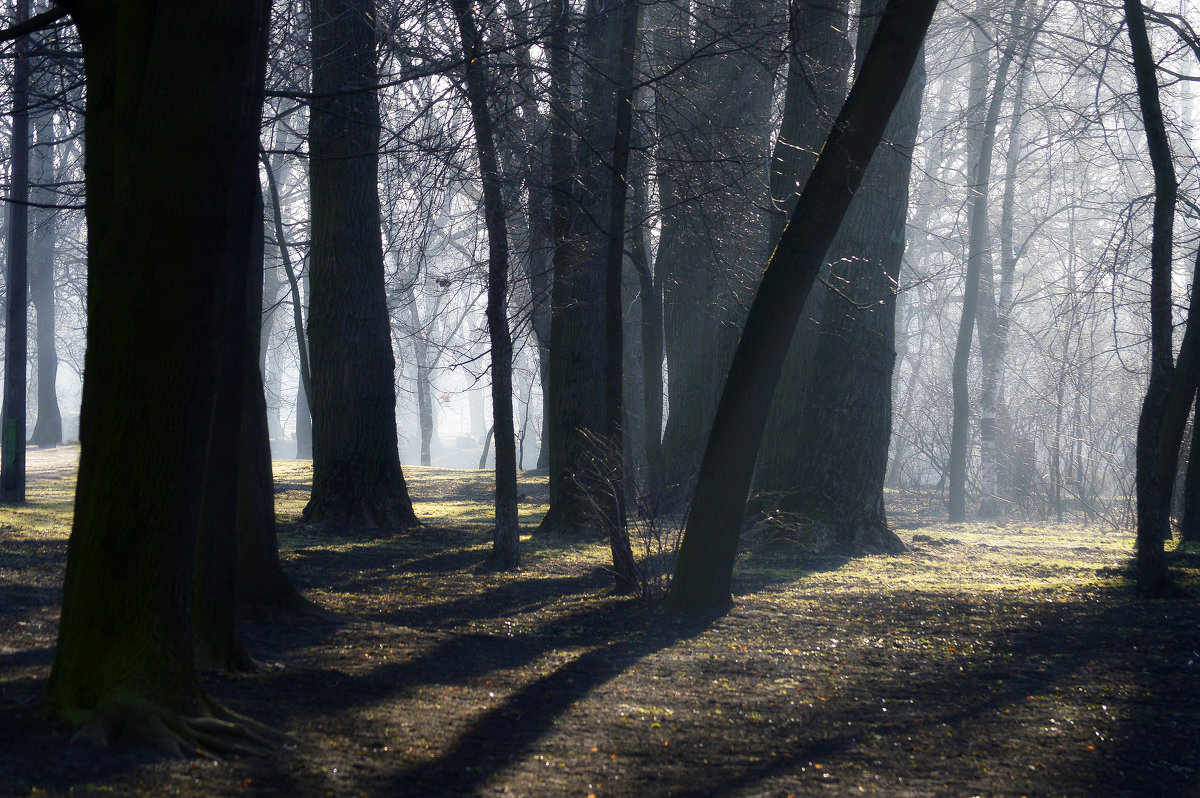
(1152,495)
(506,553)
(47,431)
(356,460)
(574,404)
(167,248)
(704,571)
(16,343)
(710,173)
(978,257)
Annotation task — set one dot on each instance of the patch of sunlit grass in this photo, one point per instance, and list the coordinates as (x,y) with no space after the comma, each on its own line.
(974,559)
(441,496)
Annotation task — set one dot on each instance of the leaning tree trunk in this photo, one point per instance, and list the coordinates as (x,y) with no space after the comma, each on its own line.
(704,572)
(844,409)
(167,250)
(356,458)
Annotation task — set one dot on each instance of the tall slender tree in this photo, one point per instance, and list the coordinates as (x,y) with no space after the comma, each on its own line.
(506,544)
(1152,495)
(16,344)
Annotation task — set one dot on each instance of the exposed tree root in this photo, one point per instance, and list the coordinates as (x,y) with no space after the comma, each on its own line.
(216,733)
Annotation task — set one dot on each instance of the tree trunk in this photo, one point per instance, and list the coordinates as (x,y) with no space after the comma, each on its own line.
(622,63)
(704,571)
(1152,495)
(47,432)
(574,404)
(167,251)
(1189,526)
(356,460)
(263,592)
(844,407)
(711,164)
(16,343)
(978,256)
(506,552)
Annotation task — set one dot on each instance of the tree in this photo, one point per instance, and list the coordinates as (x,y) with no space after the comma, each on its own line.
(574,404)
(713,119)
(841,390)
(16,344)
(169,248)
(978,255)
(356,460)
(1152,501)
(506,545)
(584,368)
(47,431)
(704,572)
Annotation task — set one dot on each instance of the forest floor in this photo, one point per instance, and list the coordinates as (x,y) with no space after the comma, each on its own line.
(992,659)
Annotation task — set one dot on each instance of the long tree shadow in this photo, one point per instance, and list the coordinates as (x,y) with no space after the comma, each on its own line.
(1050,657)
(505,732)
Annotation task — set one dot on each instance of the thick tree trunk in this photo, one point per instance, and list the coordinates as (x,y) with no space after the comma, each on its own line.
(835,502)
(356,461)
(166,253)
(217,644)
(711,163)
(704,572)
(575,386)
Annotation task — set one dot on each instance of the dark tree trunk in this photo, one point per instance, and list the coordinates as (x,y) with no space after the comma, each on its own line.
(263,592)
(704,572)
(651,340)
(16,344)
(1189,526)
(711,177)
(166,254)
(47,432)
(214,628)
(1152,495)
(625,46)
(356,460)
(843,378)
(574,406)
(818,76)
(506,552)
